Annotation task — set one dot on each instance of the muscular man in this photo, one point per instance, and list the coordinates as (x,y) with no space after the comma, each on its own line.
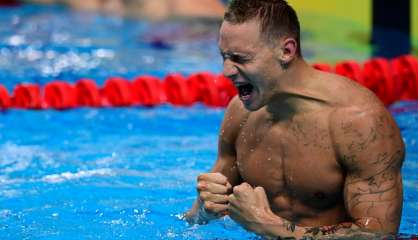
(302,153)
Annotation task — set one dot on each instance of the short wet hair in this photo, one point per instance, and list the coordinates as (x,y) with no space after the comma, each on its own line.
(277,18)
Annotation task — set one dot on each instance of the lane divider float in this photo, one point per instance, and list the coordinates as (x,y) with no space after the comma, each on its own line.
(391,80)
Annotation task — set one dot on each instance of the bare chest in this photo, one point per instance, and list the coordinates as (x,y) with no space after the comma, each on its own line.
(294,161)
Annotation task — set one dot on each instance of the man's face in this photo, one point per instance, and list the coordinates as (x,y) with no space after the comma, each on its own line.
(250,62)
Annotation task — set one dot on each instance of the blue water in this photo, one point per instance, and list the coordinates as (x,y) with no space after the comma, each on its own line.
(122,173)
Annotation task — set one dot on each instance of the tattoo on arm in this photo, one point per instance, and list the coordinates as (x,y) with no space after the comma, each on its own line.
(289,226)
(328,230)
(373,153)
(315,232)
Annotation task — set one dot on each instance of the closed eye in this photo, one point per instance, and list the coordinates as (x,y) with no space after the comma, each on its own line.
(239,59)
(235,57)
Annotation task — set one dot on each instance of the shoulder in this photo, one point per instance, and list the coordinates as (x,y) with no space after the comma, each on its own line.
(360,117)
(354,122)
(365,134)
(345,92)
(234,118)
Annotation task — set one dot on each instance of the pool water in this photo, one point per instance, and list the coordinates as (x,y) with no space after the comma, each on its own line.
(125,173)
(106,174)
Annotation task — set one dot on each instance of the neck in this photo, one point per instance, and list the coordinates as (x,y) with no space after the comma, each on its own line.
(292,91)
(294,76)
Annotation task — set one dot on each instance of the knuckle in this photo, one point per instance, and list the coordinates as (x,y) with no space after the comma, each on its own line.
(201,186)
(220,176)
(208,206)
(200,177)
(203,195)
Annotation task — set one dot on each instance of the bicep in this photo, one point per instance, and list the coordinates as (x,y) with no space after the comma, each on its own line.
(372,153)
(226,165)
(375,202)
(226,160)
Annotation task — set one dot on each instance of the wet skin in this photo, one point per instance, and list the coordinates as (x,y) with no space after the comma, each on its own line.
(300,151)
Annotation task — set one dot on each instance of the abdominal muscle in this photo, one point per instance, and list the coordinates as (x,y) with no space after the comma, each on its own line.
(306,216)
(298,203)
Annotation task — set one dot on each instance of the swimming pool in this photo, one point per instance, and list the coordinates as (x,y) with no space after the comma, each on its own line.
(123,173)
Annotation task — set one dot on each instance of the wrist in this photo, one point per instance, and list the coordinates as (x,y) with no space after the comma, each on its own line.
(269,224)
(198,214)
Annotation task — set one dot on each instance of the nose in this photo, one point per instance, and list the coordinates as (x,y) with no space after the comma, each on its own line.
(230,70)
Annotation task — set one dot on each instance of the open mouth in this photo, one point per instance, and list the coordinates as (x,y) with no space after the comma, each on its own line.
(245,91)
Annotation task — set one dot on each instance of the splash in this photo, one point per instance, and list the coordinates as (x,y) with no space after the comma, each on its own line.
(68,176)
(14,158)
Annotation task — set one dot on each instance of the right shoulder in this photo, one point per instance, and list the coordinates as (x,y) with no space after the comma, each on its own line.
(234,118)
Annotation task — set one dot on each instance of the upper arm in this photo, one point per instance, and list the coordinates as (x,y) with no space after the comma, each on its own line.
(226,161)
(371,151)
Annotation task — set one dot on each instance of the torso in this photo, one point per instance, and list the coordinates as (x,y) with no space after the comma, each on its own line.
(295,161)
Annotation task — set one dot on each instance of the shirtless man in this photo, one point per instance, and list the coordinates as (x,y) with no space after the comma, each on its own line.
(302,153)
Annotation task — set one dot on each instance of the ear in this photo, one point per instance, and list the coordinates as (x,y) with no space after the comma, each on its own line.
(289,48)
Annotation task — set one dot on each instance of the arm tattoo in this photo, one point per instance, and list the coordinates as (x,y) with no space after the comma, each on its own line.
(328,230)
(289,226)
(315,232)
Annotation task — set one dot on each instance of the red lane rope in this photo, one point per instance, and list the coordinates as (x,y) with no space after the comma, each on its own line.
(177,91)
(27,96)
(378,78)
(405,70)
(203,89)
(59,95)
(4,98)
(148,91)
(117,92)
(87,93)
(391,80)
(350,69)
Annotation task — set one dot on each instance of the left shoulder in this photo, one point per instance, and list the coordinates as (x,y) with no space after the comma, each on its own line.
(365,133)
(360,117)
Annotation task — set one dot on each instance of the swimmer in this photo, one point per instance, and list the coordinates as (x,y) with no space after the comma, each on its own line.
(302,153)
